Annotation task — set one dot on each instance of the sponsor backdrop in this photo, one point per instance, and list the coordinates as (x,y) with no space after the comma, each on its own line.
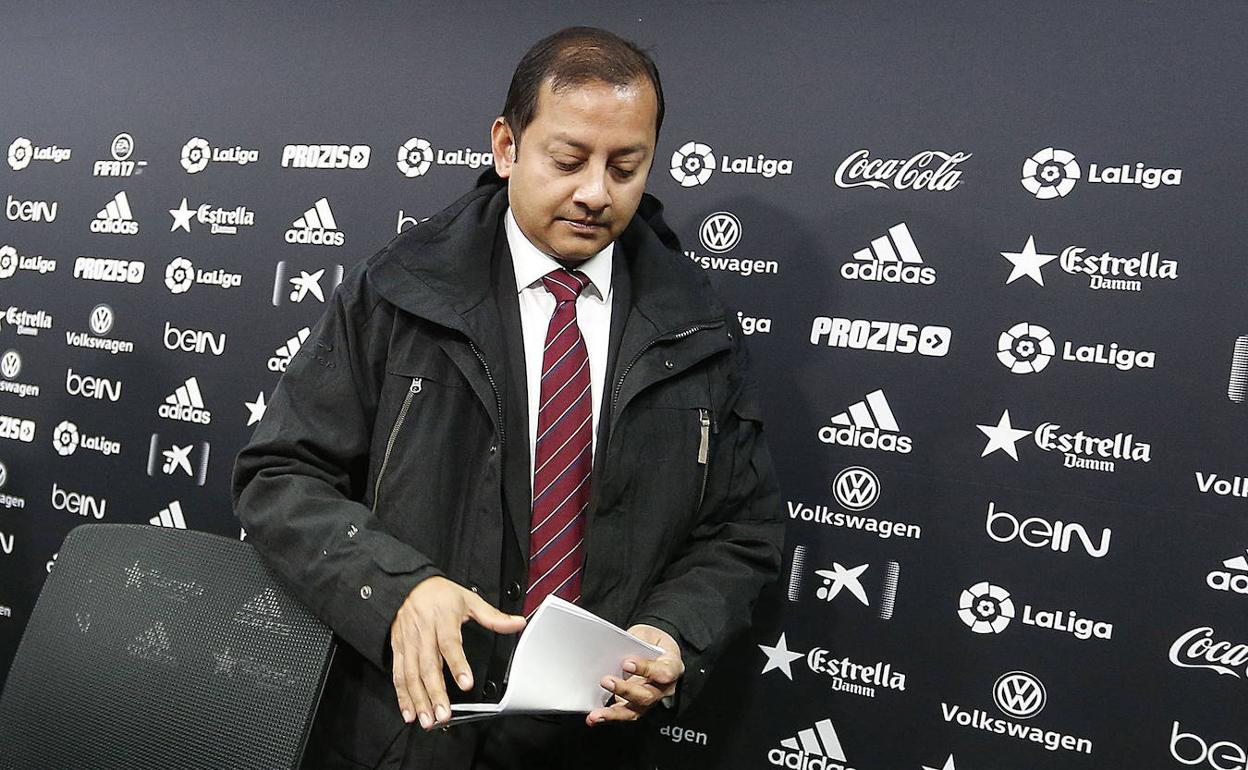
(989,261)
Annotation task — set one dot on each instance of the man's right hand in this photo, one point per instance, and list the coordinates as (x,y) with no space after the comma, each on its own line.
(425,633)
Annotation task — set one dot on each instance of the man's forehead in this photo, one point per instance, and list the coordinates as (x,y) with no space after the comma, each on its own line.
(571,140)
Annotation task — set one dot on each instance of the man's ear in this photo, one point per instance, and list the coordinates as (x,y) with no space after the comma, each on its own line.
(503,145)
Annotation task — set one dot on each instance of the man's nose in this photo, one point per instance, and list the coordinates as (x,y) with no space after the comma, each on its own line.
(592,191)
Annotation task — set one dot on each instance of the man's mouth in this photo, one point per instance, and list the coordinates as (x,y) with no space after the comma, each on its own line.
(588,225)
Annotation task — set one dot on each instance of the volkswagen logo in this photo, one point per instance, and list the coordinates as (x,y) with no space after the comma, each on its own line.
(1019,694)
(720,232)
(101,319)
(856,488)
(10,364)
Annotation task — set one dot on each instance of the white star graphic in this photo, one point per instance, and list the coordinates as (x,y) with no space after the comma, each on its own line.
(843,578)
(307,283)
(182,217)
(947,766)
(178,457)
(256,409)
(1002,436)
(779,657)
(1027,262)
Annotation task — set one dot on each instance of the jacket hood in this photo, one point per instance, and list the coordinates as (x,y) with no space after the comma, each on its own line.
(440,269)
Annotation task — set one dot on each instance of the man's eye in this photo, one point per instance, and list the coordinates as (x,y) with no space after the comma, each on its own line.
(623,173)
(566,165)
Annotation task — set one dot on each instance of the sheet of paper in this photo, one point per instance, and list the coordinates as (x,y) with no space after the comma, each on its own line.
(562,655)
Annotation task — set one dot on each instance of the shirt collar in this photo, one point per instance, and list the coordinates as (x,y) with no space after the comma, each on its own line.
(531,263)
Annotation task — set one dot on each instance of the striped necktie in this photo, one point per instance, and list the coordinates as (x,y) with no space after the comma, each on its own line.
(563,456)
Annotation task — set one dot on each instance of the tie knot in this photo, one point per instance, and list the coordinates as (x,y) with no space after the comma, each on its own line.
(566,285)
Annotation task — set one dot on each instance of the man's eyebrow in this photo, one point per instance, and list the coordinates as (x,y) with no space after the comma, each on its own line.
(571,142)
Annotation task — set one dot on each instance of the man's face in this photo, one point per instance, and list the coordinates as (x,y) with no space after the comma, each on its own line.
(581,167)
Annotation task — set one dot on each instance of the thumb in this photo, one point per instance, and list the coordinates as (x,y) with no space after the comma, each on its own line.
(492,618)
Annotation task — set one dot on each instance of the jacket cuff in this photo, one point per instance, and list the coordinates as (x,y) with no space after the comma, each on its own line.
(690,683)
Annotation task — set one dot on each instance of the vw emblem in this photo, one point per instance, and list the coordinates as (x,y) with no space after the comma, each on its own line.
(10,364)
(101,319)
(720,232)
(856,488)
(1019,695)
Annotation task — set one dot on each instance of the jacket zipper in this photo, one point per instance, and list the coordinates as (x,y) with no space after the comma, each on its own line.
(412,390)
(615,397)
(498,399)
(704,450)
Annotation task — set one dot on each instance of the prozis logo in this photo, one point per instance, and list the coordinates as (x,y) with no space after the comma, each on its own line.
(1233,579)
(306,285)
(197,153)
(116,218)
(848,580)
(287,350)
(10,369)
(101,323)
(11,262)
(843,674)
(67,439)
(26,322)
(814,748)
(29,211)
(891,258)
(181,274)
(1020,696)
(17,429)
(880,336)
(1036,532)
(317,226)
(22,151)
(110,270)
(219,221)
(1079,450)
(417,155)
(719,234)
(986,608)
(355,156)
(1026,348)
(1191,749)
(1105,272)
(186,404)
(929,170)
(190,459)
(1200,648)
(8,501)
(1052,173)
(868,424)
(121,164)
(694,162)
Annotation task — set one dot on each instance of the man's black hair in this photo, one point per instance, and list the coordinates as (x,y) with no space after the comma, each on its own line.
(571,57)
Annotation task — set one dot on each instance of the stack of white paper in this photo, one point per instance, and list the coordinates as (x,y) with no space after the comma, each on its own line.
(561,657)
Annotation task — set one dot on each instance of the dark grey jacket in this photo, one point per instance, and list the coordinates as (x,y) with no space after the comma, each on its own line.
(395,448)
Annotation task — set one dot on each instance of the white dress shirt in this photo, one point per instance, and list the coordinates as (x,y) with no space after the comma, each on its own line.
(537,305)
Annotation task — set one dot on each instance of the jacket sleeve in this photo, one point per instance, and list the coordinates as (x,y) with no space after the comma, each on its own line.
(706,593)
(299,482)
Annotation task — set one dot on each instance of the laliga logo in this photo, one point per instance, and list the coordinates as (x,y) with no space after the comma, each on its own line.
(415,157)
(65,438)
(195,155)
(20,153)
(1025,348)
(986,608)
(1050,173)
(692,164)
(179,275)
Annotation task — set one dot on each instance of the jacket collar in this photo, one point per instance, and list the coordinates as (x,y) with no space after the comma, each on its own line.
(440,270)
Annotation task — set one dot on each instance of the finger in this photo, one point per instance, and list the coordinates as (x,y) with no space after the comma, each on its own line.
(399,678)
(637,691)
(489,617)
(620,712)
(451,645)
(661,671)
(431,675)
(415,688)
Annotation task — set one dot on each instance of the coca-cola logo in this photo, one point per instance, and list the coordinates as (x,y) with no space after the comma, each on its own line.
(930,170)
(1198,649)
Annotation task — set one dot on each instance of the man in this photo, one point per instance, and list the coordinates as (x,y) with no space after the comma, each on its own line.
(532,393)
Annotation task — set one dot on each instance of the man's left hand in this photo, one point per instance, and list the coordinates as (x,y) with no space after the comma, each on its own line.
(651,679)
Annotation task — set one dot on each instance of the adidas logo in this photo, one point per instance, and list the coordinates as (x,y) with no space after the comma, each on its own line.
(283,355)
(891,258)
(116,217)
(868,424)
(186,404)
(169,517)
(317,226)
(1234,578)
(817,748)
